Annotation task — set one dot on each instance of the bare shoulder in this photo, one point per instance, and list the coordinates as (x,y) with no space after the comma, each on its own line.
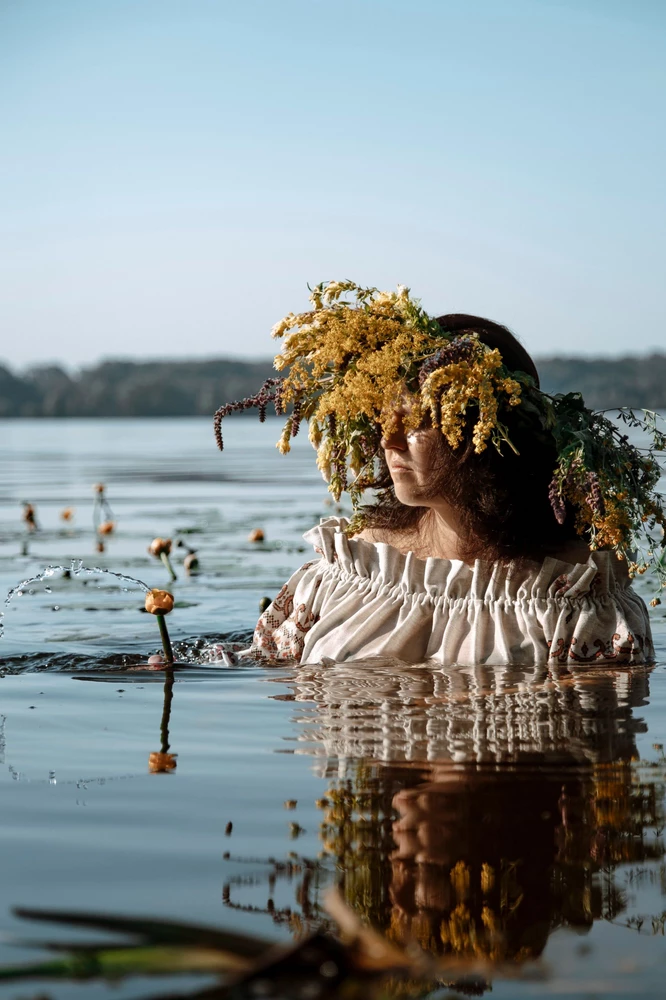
(372,535)
(397,539)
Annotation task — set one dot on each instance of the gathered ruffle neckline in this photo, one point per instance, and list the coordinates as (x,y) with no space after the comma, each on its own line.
(380,564)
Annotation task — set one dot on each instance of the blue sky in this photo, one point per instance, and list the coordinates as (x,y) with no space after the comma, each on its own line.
(176,171)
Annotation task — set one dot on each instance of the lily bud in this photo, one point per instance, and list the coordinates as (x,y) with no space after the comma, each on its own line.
(256,536)
(30,516)
(106,528)
(159,546)
(191,562)
(99,488)
(159,602)
(67,514)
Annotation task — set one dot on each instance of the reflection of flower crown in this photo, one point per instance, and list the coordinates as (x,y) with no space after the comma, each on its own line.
(350,365)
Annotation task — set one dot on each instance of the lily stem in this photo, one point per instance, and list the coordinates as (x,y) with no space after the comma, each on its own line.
(167,562)
(166,641)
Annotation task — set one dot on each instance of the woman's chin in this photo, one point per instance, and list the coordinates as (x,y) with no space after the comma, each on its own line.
(409,498)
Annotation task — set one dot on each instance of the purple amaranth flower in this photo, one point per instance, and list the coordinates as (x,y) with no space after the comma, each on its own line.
(556,502)
(277,399)
(595,496)
(340,465)
(332,424)
(456,350)
(267,393)
(296,417)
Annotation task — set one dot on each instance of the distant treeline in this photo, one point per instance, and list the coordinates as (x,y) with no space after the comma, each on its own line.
(131,388)
(197,388)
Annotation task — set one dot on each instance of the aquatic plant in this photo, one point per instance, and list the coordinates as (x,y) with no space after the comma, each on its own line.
(103,520)
(357,963)
(191,563)
(160,548)
(160,603)
(30,517)
(191,560)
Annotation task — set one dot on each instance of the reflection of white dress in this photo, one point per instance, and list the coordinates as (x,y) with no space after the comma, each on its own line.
(363,599)
(547,714)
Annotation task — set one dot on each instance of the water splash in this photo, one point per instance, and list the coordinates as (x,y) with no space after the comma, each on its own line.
(75,568)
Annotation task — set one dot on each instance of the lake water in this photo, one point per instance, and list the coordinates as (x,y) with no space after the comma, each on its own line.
(466,808)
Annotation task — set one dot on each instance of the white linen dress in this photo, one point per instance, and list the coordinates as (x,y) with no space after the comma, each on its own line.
(362,599)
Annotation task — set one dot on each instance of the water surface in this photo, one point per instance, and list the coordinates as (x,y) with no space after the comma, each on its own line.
(519,810)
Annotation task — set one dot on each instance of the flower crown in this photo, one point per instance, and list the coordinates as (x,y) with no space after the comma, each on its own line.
(351,360)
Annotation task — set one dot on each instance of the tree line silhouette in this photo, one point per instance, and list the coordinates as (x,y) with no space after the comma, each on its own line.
(121,388)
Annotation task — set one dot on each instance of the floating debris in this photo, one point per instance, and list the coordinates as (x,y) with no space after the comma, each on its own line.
(256,535)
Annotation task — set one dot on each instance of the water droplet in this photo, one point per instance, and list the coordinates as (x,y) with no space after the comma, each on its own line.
(56,607)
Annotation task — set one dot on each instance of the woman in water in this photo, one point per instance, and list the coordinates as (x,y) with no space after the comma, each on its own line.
(502,523)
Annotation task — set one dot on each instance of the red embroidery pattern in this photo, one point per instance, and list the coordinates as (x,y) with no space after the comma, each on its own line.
(615,649)
(281,630)
(562,584)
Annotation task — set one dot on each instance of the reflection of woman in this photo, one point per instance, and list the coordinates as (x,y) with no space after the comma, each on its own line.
(500,795)
(491,866)
(466,881)
(491,536)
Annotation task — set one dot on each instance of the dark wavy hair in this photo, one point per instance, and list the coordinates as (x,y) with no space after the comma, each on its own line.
(501,499)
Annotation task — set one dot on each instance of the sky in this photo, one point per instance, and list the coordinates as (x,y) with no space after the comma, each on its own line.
(174,173)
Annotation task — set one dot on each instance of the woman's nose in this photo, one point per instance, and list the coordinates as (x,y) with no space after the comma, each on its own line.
(396,440)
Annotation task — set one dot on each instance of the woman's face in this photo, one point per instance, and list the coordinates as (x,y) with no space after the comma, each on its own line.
(410,457)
